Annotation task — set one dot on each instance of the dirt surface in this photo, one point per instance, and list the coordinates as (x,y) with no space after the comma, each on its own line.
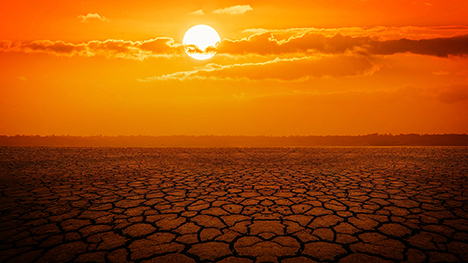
(234,204)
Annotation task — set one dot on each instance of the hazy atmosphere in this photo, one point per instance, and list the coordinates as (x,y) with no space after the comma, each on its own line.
(342,67)
(234,131)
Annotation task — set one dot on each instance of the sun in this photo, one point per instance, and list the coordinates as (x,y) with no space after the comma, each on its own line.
(200,42)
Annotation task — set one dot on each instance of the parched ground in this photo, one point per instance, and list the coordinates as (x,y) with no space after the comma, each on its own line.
(234,204)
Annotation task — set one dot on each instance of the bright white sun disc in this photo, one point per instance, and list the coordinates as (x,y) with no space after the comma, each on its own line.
(200,42)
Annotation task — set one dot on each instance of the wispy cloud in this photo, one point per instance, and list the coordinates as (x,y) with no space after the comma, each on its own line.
(90,17)
(233,10)
(197,13)
(278,69)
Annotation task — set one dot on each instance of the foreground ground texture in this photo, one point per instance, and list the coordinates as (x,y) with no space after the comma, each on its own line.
(234,204)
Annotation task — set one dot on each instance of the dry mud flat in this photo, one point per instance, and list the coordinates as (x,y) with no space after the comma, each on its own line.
(234,205)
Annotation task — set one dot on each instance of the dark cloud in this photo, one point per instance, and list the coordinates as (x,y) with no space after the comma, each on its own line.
(441,47)
(5,45)
(58,47)
(109,48)
(453,94)
(266,44)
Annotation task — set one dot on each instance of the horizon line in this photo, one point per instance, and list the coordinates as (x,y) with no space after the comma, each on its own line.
(213,135)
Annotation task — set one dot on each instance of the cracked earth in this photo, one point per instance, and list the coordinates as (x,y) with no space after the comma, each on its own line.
(234,204)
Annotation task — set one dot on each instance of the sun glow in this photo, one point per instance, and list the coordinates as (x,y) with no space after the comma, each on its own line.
(200,42)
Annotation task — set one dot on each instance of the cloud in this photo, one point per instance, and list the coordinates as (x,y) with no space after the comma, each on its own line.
(89,17)
(279,69)
(294,42)
(267,44)
(111,48)
(310,43)
(453,94)
(5,45)
(440,73)
(233,10)
(440,47)
(197,13)
(379,32)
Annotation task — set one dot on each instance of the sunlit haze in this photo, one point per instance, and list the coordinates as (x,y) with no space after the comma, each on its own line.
(344,67)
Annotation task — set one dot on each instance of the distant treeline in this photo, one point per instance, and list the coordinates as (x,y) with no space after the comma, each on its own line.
(237,141)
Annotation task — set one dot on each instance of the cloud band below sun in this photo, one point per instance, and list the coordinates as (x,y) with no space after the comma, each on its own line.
(279,69)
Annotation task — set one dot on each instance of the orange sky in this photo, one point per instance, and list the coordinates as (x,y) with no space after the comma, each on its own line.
(338,67)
